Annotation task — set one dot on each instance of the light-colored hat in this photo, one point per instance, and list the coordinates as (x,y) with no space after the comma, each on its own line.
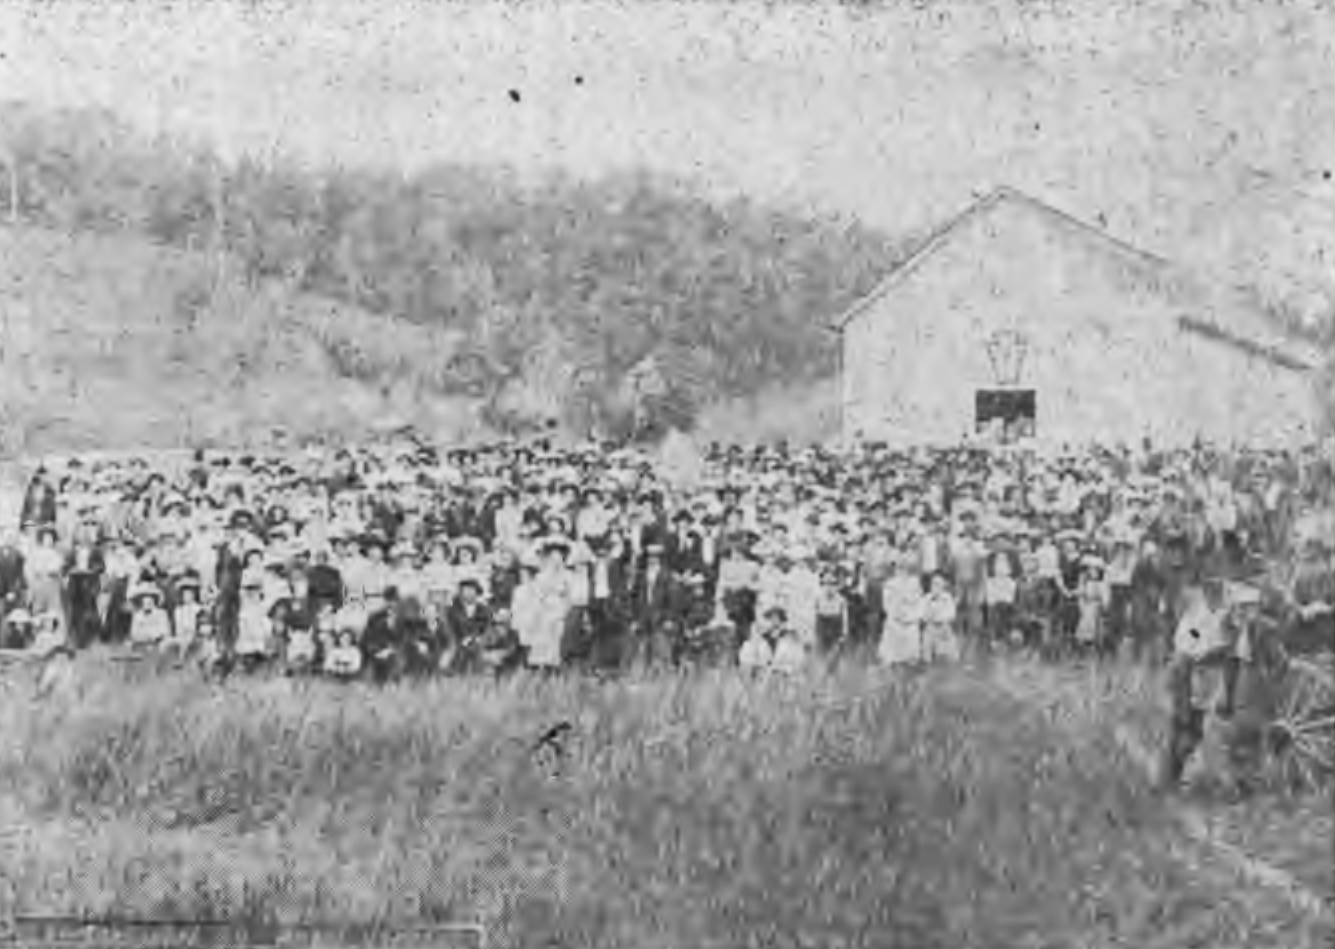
(1243,594)
(145,591)
(469,543)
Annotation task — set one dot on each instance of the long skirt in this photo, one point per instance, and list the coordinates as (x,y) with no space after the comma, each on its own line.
(939,641)
(829,632)
(900,642)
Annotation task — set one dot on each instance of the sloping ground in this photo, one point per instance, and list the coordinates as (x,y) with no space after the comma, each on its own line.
(106,343)
(853,809)
(1293,836)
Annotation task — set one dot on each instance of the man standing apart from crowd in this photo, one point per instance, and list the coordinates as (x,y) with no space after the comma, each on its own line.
(1203,672)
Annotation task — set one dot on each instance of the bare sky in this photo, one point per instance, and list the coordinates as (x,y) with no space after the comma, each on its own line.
(1169,123)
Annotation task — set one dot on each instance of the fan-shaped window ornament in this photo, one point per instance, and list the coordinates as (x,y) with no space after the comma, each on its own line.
(1006,350)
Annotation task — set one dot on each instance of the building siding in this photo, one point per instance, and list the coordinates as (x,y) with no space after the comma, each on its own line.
(1107,357)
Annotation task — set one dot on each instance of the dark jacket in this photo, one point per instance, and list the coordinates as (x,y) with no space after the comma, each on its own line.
(465,629)
(13,585)
(39,503)
(326,585)
(652,601)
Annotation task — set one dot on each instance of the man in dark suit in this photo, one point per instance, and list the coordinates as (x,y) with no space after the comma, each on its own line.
(653,601)
(382,645)
(13,587)
(39,501)
(609,582)
(684,549)
(467,620)
(326,583)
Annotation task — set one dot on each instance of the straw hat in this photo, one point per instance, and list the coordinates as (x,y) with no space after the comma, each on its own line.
(145,591)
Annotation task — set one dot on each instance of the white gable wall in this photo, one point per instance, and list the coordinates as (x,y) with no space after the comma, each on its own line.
(1107,358)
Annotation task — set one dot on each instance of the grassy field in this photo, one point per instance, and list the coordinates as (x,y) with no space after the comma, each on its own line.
(853,808)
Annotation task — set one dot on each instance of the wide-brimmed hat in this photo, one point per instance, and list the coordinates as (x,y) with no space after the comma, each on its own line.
(468,543)
(144,591)
(555,542)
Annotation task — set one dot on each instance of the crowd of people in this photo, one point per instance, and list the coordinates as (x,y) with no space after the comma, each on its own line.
(400,559)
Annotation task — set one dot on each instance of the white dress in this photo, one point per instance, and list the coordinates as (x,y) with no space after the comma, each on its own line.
(756,654)
(901,639)
(789,655)
(254,628)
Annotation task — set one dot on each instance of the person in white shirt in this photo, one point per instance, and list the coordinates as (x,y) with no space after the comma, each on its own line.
(790,652)
(344,660)
(999,596)
(541,606)
(902,602)
(150,625)
(939,615)
(44,568)
(253,627)
(802,595)
(757,652)
(185,614)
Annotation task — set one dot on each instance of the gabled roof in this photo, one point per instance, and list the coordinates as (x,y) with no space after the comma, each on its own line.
(1165,274)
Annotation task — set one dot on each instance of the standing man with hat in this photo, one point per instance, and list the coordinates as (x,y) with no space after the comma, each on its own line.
(1204,666)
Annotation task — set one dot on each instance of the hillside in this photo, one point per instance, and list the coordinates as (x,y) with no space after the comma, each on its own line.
(114,343)
(624,304)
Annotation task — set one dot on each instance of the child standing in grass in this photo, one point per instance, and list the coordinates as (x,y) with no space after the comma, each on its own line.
(1092,598)
(940,612)
(757,652)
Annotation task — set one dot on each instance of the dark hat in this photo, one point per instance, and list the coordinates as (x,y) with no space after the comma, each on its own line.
(367,541)
(554,542)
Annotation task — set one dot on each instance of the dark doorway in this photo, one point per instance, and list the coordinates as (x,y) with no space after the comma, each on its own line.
(1012,412)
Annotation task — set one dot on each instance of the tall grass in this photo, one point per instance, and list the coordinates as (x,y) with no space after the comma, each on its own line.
(850,808)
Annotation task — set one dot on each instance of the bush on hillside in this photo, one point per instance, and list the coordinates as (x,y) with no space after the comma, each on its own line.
(610,275)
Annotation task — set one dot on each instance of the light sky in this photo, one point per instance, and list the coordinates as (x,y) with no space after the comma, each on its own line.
(1189,132)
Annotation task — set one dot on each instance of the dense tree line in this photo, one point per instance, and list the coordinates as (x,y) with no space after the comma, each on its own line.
(625,303)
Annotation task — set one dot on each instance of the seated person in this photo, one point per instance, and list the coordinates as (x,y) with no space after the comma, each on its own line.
(344,661)
(150,624)
(302,652)
(467,620)
(19,629)
(498,649)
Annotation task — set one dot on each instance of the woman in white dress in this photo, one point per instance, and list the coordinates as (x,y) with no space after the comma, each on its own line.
(902,601)
(44,568)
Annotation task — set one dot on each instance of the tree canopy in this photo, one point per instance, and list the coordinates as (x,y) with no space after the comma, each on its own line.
(622,304)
